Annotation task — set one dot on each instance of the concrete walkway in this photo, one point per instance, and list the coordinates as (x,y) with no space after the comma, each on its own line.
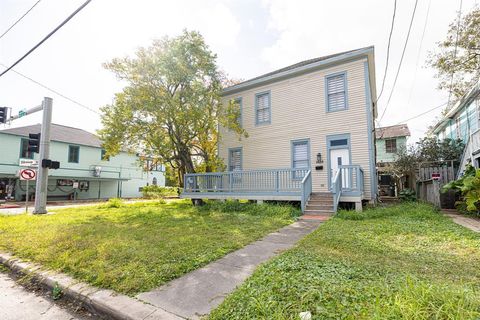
(467,222)
(18,304)
(200,291)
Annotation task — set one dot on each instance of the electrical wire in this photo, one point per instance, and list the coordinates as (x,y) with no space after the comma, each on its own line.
(23,16)
(388,49)
(401,59)
(419,53)
(423,113)
(54,91)
(48,36)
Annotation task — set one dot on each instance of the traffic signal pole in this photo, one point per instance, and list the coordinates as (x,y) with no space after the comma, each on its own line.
(44,153)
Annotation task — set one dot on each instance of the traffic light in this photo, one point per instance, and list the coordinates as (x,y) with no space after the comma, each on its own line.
(3,114)
(34,142)
(47,163)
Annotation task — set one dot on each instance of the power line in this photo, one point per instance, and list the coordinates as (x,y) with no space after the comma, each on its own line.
(388,48)
(401,59)
(419,53)
(48,36)
(23,16)
(55,91)
(423,113)
(455,51)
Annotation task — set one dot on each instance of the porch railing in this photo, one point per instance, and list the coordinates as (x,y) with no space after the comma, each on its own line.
(266,181)
(306,189)
(348,180)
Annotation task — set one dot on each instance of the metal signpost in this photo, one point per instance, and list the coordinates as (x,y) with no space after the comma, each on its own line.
(27,175)
(44,153)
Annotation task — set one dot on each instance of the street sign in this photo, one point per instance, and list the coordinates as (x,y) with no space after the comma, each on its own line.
(22,113)
(436,176)
(28,163)
(28,174)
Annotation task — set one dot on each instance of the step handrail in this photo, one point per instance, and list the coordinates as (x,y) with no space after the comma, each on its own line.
(337,189)
(306,189)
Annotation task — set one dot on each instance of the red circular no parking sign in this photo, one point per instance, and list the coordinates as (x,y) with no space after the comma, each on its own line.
(28,174)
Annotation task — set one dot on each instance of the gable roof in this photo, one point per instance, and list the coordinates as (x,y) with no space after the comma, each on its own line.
(60,133)
(399,130)
(299,68)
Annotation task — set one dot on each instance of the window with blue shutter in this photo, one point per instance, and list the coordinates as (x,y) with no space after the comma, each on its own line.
(262,108)
(235,159)
(336,92)
(300,157)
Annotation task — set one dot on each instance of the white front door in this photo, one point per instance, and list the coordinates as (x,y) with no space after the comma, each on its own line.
(339,157)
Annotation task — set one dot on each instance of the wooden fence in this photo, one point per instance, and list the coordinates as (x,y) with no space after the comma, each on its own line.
(431,177)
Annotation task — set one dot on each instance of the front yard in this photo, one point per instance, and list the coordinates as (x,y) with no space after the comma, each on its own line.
(138,247)
(403,262)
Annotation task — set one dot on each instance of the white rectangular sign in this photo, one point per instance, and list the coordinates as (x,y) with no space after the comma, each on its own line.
(28,163)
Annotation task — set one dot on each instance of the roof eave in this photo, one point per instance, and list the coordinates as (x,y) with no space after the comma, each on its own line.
(357,54)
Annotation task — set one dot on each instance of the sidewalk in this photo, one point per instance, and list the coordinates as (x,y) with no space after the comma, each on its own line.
(197,293)
(467,222)
(16,303)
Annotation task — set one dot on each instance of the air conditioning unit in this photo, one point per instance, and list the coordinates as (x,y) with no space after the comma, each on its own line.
(97,171)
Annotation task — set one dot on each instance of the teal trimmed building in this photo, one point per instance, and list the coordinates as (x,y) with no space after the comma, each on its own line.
(388,141)
(463,122)
(82,165)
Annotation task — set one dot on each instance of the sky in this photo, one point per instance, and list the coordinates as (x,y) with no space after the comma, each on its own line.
(249,37)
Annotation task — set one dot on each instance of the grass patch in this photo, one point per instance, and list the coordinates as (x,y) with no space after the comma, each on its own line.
(132,248)
(401,262)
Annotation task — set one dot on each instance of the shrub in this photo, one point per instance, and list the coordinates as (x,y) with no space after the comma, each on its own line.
(407,195)
(469,186)
(114,203)
(158,192)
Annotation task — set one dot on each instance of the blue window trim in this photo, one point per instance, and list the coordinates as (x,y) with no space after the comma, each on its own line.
(292,156)
(345,84)
(25,141)
(371,136)
(240,102)
(269,108)
(70,146)
(230,150)
(348,146)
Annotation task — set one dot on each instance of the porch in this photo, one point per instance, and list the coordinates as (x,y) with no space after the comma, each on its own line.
(274,184)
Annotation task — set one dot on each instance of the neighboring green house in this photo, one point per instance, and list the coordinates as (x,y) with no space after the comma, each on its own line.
(463,122)
(84,171)
(389,140)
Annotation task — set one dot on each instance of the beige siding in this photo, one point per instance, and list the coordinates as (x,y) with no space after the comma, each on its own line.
(297,112)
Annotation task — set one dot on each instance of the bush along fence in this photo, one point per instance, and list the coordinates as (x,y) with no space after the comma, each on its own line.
(469,188)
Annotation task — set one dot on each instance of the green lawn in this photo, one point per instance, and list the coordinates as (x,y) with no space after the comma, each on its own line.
(138,247)
(402,262)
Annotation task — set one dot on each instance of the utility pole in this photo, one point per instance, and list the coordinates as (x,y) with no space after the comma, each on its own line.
(42,179)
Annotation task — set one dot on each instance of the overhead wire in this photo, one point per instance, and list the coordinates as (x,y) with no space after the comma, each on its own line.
(46,37)
(20,19)
(401,59)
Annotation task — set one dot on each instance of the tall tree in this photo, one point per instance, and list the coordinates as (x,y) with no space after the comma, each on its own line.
(170,108)
(459,55)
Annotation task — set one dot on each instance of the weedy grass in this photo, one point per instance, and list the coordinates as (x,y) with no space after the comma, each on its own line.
(132,248)
(401,262)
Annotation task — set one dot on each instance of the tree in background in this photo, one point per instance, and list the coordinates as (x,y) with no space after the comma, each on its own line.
(459,56)
(428,149)
(170,108)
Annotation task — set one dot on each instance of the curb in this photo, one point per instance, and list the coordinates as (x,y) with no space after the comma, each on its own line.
(105,303)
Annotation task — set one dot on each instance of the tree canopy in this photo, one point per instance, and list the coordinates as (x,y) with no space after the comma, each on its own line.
(459,54)
(170,108)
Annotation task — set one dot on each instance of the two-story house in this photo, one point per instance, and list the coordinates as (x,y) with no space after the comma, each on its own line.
(311,136)
(388,141)
(85,172)
(462,122)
